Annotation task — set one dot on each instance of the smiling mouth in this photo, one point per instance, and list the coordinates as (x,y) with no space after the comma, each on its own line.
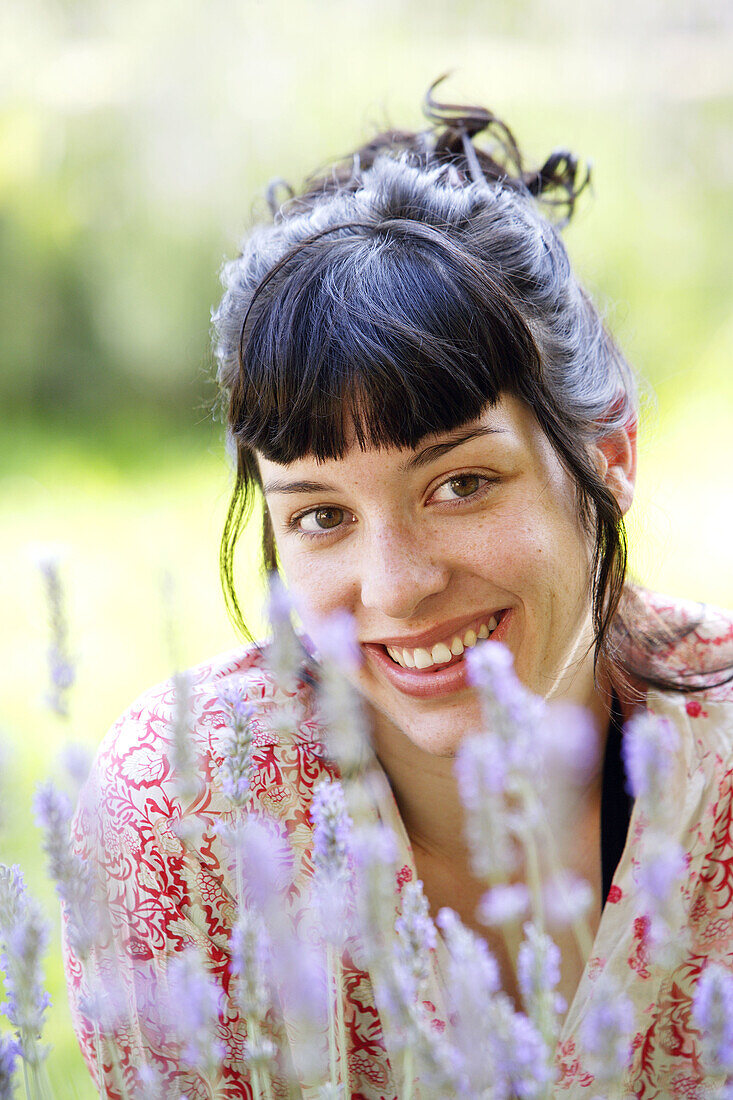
(444,653)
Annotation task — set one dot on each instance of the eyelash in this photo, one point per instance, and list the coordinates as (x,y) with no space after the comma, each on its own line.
(487,483)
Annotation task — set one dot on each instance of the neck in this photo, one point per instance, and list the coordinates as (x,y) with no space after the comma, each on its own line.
(425,786)
(426,791)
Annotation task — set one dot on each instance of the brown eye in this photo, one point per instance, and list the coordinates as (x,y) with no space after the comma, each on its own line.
(328,517)
(321,519)
(465,485)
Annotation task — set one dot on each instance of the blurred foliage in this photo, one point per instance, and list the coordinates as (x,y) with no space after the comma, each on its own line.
(136,141)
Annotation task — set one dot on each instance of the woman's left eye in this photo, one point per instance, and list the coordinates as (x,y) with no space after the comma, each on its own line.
(460,487)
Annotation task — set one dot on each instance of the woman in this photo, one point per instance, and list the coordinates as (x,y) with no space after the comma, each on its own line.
(444,435)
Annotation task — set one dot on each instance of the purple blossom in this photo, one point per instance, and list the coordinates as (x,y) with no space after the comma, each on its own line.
(236,767)
(250,964)
(62,673)
(507,704)
(183,759)
(496,1051)
(538,965)
(335,640)
(331,828)
(482,772)
(331,833)
(12,895)
(570,743)
(25,939)
(567,898)
(606,1032)
(285,652)
(193,1004)
(416,937)
(662,866)
(504,903)
(73,876)
(76,760)
(649,745)
(712,1009)
(9,1051)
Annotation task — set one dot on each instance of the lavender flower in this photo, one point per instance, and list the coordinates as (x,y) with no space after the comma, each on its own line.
(662,866)
(285,652)
(12,896)
(183,758)
(538,973)
(417,937)
(76,760)
(250,963)
(62,674)
(712,1010)
(9,1051)
(481,770)
(508,706)
(331,831)
(567,898)
(504,903)
(606,1032)
(193,1006)
(236,768)
(335,640)
(649,746)
(73,876)
(25,937)
(496,1052)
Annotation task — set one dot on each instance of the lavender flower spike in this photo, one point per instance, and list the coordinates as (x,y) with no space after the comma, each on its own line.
(236,768)
(606,1032)
(73,877)
(62,674)
(417,937)
(648,750)
(8,1053)
(538,973)
(193,1006)
(25,941)
(331,837)
(712,1009)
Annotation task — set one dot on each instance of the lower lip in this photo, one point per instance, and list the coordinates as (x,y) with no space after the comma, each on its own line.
(429,683)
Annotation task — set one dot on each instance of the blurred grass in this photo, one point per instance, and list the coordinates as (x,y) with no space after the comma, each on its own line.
(134,140)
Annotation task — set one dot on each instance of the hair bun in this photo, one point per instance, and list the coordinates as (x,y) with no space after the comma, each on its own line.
(557,183)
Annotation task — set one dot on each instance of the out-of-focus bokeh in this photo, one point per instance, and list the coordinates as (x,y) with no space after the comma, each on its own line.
(136,141)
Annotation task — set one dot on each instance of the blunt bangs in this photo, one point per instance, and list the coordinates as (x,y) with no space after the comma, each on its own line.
(386,333)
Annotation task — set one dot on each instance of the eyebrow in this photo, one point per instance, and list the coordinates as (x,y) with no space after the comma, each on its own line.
(422,458)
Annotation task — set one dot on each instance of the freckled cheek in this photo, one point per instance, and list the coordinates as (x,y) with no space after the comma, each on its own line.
(316,581)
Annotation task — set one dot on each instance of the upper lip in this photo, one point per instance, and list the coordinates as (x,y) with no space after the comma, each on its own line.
(434,634)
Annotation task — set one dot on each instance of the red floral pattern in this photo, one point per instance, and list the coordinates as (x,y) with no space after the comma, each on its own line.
(168,880)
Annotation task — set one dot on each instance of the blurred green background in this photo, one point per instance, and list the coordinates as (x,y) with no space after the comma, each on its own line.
(136,140)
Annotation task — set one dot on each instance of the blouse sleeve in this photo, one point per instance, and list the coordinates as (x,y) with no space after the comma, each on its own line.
(162,889)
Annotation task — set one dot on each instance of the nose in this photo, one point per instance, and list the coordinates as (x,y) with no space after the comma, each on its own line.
(398,573)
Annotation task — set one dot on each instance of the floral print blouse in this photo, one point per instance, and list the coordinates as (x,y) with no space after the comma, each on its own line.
(168,876)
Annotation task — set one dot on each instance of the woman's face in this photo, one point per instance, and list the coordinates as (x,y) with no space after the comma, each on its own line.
(473,532)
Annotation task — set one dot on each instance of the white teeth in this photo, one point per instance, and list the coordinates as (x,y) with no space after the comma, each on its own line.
(422,658)
(442,653)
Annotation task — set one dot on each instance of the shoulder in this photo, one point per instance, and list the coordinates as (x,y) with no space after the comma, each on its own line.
(684,639)
(138,765)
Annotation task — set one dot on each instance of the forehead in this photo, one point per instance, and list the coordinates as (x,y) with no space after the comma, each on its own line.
(508,426)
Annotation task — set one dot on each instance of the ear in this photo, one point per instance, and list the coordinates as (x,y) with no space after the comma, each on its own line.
(615,457)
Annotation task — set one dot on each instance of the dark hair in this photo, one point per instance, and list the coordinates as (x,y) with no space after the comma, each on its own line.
(403,291)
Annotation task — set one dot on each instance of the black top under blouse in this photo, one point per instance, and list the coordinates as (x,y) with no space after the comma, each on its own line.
(616,802)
